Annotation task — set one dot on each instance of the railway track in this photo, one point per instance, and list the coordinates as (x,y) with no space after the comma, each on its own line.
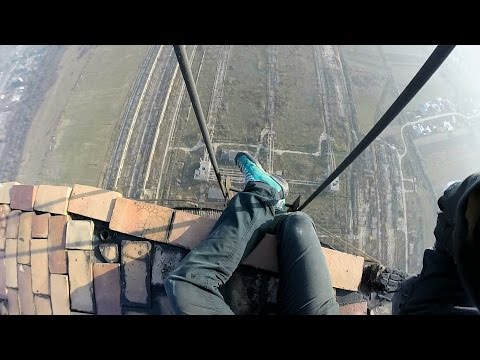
(217,96)
(272,88)
(164,184)
(150,117)
(173,124)
(128,117)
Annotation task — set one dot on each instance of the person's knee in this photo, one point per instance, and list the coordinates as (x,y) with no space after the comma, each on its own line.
(297,230)
(298,223)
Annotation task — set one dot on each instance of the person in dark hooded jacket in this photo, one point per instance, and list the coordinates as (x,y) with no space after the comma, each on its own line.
(449,282)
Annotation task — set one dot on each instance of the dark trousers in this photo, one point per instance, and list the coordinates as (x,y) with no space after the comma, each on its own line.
(436,290)
(305,286)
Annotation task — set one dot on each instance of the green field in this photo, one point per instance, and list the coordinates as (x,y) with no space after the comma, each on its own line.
(366,106)
(244,97)
(91,115)
(298,121)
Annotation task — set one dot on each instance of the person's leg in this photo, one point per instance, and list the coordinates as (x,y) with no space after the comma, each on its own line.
(305,286)
(193,288)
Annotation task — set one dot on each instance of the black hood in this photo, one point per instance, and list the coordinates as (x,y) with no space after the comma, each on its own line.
(466,249)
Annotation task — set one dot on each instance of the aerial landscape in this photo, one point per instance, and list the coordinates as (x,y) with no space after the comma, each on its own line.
(119,117)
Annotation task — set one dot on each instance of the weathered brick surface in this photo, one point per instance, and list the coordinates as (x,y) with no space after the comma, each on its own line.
(60,294)
(42,305)
(25,294)
(161,303)
(13,220)
(141,219)
(106,280)
(52,199)
(188,230)
(136,272)
(57,257)
(354,309)
(264,256)
(81,280)
(13,303)
(24,238)
(92,202)
(109,252)
(40,225)
(80,234)
(22,197)
(11,263)
(40,274)
(3,276)
(165,260)
(5,189)
(345,269)
(4,211)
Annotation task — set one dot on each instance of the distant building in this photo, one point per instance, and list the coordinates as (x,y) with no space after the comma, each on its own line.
(203,171)
(228,156)
(335,185)
(215,194)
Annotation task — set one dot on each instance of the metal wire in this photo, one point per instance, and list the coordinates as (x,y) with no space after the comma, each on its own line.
(432,64)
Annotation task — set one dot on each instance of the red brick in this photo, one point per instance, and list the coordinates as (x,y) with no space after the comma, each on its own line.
(13,219)
(25,294)
(81,280)
(345,269)
(40,274)
(24,238)
(60,294)
(354,309)
(5,189)
(106,280)
(13,304)
(52,199)
(40,226)
(3,276)
(80,235)
(11,263)
(22,197)
(42,305)
(4,211)
(188,230)
(141,219)
(57,257)
(264,256)
(92,202)
(136,271)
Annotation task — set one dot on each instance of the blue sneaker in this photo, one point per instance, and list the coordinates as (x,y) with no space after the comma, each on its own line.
(253,171)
